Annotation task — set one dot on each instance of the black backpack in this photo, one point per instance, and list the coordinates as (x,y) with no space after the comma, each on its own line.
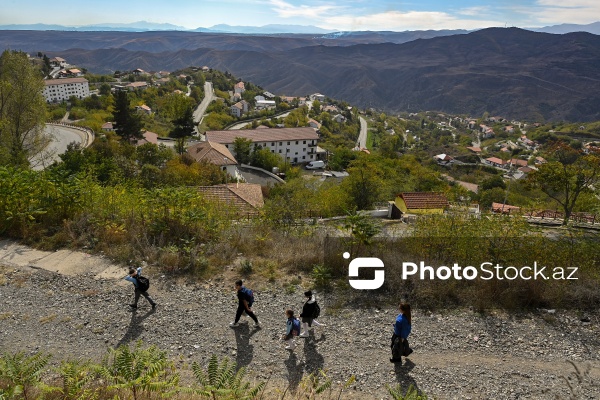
(316,311)
(143,283)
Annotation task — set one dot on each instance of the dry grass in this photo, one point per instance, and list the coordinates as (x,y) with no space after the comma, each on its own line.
(48,319)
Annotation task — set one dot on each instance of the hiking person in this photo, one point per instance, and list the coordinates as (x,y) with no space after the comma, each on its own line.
(310,313)
(402,328)
(141,285)
(245,300)
(292,329)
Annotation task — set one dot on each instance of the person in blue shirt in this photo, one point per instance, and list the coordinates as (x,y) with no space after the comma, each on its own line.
(292,329)
(132,277)
(402,328)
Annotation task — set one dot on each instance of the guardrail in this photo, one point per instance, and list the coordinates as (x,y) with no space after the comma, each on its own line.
(89,136)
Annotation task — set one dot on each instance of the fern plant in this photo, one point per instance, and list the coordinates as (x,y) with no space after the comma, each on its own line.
(412,393)
(315,384)
(222,381)
(22,373)
(76,378)
(139,370)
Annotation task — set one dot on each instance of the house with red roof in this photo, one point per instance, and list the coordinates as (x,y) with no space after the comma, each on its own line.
(421,202)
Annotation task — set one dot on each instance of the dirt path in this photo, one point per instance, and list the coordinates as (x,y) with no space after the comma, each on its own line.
(74,305)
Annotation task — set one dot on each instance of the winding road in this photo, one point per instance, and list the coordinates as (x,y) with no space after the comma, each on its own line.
(60,137)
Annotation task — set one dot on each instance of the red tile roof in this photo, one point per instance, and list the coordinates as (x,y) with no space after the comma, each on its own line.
(424,200)
(262,135)
(504,208)
(244,198)
(214,153)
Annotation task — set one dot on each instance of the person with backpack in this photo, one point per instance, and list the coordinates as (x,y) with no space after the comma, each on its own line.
(245,300)
(310,313)
(402,328)
(141,284)
(292,329)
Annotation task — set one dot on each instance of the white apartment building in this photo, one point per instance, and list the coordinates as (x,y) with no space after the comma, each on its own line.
(57,90)
(295,145)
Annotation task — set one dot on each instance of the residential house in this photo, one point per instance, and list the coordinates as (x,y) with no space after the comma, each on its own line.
(136,85)
(147,137)
(509,129)
(474,149)
(500,208)
(57,90)
(294,145)
(314,124)
(239,108)
(339,118)
(162,74)
(539,160)
(443,159)
(515,162)
(139,72)
(487,131)
(317,96)
(269,95)
(58,62)
(205,69)
(472,124)
(262,104)
(108,127)
(238,199)
(330,108)
(162,81)
(144,109)
(217,154)
(421,203)
(239,88)
(527,143)
(495,161)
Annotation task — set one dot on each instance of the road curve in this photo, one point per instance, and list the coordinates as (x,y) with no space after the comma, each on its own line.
(60,137)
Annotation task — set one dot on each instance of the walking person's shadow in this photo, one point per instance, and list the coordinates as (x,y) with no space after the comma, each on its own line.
(135,328)
(403,377)
(313,360)
(245,351)
(295,372)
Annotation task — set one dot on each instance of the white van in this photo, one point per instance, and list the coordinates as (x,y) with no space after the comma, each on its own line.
(315,165)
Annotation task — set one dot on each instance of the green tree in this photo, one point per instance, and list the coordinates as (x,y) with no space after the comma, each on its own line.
(567,175)
(184,127)
(365,183)
(263,158)
(242,148)
(128,122)
(22,110)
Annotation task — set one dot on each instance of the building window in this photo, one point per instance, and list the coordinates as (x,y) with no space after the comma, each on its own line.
(304,157)
(279,151)
(304,142)
(280,143)
(272,143)
(296,142)
(288,143)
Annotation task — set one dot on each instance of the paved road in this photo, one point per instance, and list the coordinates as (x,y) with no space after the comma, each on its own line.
(362,137)
(60,137)
(209,95)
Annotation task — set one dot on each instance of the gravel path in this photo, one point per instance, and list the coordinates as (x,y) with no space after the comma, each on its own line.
(457,354)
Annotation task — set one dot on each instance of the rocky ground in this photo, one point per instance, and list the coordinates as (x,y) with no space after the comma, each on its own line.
(458,354)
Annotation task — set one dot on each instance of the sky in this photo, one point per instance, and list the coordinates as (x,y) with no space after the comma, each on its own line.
(342,15)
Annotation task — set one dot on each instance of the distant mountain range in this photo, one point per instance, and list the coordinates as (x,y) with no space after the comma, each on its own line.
(144,26)
(511,72)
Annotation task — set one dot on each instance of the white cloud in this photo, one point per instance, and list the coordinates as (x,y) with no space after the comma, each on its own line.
(566,11)
(474,11)
(287,10)
(401,21)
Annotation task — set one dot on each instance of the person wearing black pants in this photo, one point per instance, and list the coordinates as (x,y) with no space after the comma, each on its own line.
(243,305)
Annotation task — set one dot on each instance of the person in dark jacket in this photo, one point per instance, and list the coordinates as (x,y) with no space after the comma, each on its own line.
(402,328)
(243,305)
(308,312)
(132,277)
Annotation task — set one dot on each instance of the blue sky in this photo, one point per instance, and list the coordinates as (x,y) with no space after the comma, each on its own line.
(339,14)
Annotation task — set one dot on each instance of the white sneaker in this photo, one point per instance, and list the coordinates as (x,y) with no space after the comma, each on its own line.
(234,324)
(290,346)
(303,334)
